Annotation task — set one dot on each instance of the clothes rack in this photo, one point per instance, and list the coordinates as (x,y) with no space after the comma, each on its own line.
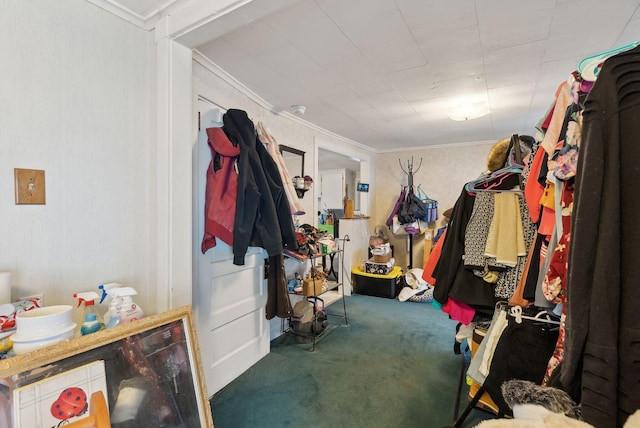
(409,172)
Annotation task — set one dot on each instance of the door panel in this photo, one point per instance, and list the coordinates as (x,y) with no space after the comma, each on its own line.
(228,300)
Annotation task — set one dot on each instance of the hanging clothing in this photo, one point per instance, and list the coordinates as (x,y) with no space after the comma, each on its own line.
(603,328)
(278,302)
(272,147)
(475,240)
(221,190)
(522,352)
(452,279)
(432,261)
(505,240)
(563,100)
(262,216)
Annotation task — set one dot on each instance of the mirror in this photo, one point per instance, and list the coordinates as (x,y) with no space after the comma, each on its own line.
(294,161)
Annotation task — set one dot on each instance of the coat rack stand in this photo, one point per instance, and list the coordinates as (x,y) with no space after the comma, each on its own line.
(410,171)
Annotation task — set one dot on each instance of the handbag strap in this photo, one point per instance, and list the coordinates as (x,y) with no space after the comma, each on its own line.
(421,193)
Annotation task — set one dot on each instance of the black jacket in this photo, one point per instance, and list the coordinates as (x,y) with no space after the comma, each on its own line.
(602,326)
(262,218)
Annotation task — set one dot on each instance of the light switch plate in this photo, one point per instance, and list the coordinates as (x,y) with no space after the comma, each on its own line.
(29,186)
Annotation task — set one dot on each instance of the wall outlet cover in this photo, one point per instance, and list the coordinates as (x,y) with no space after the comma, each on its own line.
(29,185)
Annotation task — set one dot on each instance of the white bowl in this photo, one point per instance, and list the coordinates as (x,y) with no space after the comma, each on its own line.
(22,346)
(43,322)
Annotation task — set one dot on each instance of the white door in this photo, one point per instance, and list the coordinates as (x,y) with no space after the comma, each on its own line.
(332,189)
(228,300)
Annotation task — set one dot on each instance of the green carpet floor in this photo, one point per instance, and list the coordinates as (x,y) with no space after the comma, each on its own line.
(393,366)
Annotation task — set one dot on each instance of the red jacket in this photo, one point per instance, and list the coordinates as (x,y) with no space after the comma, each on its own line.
(221,190)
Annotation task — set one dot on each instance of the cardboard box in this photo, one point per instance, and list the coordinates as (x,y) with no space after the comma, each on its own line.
(429,234)
(384,258)
(312,287)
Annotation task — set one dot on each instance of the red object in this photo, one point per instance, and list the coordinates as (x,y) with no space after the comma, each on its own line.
(221,190)
(71,402)
(432,261)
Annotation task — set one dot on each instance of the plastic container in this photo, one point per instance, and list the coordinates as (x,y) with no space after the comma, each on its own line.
(90,325)
(375,285)
(105,299)
(87,300)
(122,308)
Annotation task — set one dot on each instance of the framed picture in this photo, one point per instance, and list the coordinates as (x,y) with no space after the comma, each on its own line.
(146,373)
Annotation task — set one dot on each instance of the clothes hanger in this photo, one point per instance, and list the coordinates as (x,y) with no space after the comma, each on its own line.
(589,67)
(493,182)
(542,316)
(514,165)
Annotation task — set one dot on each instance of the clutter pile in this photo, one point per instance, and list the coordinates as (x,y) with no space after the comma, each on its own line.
(381,261)
(378,275)
(415,288)
(312,241)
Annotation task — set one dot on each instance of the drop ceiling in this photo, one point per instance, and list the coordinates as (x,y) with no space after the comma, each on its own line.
(385,73)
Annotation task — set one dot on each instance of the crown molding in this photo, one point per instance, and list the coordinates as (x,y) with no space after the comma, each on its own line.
(146,22)
(437,146)
(121,12)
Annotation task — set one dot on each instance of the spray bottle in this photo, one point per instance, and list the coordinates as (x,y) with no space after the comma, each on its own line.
(122,309)
(91,320)
(105,299)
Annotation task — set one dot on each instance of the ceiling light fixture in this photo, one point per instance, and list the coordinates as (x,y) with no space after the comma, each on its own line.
(469,110)
(298,110)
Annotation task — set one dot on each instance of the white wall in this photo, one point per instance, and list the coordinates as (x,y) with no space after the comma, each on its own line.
(77,87)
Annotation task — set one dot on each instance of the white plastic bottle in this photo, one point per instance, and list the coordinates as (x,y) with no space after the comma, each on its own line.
(122,308)
(105,299)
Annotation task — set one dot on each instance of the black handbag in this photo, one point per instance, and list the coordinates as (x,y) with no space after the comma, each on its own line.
(412,209)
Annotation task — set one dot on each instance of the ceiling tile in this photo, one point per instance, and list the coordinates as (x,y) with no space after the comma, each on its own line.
(350,12)
(414,83)
(513,65)
(506,23)
(630,34)
(256,38)
(429,19)
(391,105)
(591,36)
(510,98)
(460,56)
(310,29)
(237,64)
(358,74)
(290,62)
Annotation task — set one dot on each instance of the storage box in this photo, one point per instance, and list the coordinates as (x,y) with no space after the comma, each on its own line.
(384,258)
(370,266)
(312,287)
(375,285)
